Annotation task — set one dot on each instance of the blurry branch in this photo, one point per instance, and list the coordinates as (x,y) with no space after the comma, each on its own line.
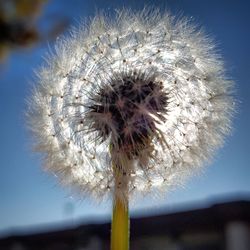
(18,25)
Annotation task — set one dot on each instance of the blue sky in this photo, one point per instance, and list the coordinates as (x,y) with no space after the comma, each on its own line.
(30,197)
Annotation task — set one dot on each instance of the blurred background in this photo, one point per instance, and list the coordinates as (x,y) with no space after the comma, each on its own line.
(31,201)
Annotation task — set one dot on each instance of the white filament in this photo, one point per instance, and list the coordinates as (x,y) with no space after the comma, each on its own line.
(181,57)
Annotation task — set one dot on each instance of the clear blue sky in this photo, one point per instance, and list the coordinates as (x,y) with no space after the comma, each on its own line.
(28,196)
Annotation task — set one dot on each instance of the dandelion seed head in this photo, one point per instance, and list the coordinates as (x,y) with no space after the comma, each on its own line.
(144,95)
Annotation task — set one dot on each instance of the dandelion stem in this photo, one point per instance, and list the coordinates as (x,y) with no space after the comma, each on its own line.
(120,225)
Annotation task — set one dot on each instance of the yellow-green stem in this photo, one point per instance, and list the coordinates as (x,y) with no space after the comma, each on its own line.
(120,225)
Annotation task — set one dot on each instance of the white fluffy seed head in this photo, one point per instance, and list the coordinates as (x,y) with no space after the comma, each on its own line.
(144,95)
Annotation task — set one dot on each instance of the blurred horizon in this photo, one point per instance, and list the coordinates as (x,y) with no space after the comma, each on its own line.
(71,223)
(29,197)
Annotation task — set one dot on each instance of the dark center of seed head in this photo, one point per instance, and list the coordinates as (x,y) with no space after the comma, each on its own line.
(129,102)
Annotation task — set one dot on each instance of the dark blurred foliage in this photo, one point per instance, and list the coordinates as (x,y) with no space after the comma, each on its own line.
(19,24)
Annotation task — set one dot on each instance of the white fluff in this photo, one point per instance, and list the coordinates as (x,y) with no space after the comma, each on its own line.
(174,52)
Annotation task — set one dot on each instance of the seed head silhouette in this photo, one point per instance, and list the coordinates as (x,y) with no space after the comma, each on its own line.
(130,106)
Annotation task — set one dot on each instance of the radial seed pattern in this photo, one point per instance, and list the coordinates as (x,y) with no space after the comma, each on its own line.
(144,94)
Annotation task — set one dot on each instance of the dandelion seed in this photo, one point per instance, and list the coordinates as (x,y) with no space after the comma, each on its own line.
(131,106)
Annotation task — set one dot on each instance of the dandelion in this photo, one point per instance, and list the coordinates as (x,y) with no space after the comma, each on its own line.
(130,106)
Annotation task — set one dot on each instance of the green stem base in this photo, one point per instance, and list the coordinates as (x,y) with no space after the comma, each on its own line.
(120,226)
